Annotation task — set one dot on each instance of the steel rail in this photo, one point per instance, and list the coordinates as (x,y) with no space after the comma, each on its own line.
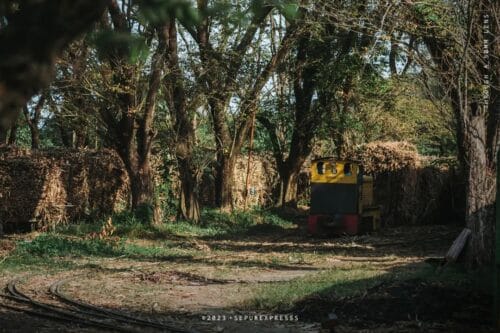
(62,313)
(114,314)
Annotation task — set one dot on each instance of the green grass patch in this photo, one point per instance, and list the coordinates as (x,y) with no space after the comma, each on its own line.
(352,281)
(282,296)
(215,224)
(49,249)
(242,223)
(22,262)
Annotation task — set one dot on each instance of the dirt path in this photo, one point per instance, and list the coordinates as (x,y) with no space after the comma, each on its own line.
(216,290)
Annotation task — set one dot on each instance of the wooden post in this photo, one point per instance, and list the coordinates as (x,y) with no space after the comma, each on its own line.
(458,246)
(497,252)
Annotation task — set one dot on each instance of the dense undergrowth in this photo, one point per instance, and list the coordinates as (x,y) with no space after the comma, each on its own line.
(56,249)
(215,224)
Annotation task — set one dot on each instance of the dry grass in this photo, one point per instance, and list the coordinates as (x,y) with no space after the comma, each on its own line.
(378,157)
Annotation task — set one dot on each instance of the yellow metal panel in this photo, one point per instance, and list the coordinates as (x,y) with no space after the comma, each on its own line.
(330,176)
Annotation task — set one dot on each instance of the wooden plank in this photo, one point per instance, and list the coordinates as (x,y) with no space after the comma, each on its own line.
(458,246)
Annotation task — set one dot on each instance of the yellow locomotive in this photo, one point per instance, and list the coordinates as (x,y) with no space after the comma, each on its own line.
(341,199)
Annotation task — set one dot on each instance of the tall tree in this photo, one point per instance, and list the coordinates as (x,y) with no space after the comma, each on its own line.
(306,118)
(176,96)
(128,92)
(219,77)
(324,48)
(461,39)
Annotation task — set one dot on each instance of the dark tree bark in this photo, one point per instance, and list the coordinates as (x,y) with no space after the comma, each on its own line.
(189,206)
(393,55)
(482,119)
(306,120)
(13,133)
(33,121)
(8,127)
(63,133)
(4,134)
(135,140)
(305,123)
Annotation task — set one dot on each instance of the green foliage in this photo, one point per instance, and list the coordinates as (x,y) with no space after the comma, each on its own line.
(23,138)
(428,10)
(166,196)
(400,110)
(55,250)
(132,46)
(160,11)
(242,219)
(289,9)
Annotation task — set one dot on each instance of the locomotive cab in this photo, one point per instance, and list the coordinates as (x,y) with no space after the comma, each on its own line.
(341,199)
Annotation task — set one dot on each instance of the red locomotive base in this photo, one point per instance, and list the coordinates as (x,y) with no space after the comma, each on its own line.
(344,224)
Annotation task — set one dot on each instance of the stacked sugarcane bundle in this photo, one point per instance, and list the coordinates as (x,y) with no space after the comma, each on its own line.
(43,188)
(409,188)
(262,179)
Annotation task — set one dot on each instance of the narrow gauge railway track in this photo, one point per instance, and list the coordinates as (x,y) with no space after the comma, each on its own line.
(117,315)
(81,313)
(56,312)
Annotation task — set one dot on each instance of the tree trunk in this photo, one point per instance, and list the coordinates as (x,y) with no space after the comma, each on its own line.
(224,181)
(477,119)
(4,133)
(143,196)
(189,206)
(8,125)
(13,134)
(343,142)
(344,137)
(65,137)
(35,137)
(288,193)
(79,137)
(13,128)
(225,154)
(480,196)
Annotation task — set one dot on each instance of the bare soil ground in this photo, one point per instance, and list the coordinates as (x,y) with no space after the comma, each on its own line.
(370,283)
